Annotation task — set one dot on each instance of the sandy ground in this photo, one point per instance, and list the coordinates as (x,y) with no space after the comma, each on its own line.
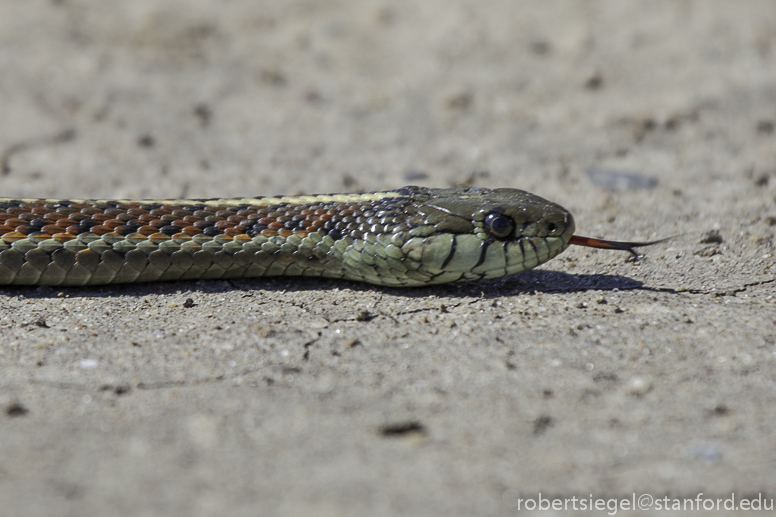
(591,375)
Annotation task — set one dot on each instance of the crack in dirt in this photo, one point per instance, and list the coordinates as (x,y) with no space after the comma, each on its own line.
(121,389)
(41,141)
(717,292)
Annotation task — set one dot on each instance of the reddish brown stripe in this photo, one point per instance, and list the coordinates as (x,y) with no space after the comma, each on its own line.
(191,230)
(51,229)
(101,229)
(147,230)
(337,219)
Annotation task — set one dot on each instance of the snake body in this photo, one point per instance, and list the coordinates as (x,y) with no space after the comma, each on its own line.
(410,236)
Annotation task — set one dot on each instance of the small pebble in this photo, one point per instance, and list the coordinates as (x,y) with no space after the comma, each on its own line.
(87,364)
(711,237)
(639,386)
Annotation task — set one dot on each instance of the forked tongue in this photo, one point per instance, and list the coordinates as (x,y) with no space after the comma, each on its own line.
(630,247)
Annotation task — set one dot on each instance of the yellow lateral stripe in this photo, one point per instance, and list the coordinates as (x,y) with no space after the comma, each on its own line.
(325,198)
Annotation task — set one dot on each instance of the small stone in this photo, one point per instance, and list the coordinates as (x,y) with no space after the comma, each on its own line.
(460,101)
(711,237)
(16,409)
(639,386)
(146,141)
(542,423)
(88,364)
(765,127)
(762,180)
(273,77)
(203,113)
(707,452)
(708,251)
(594,82)
(364,316)
(404,429)
(540,47)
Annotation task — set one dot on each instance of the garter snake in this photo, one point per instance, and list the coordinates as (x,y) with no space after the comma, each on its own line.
(410,236)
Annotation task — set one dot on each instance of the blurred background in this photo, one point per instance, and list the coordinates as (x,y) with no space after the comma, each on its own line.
(229,98)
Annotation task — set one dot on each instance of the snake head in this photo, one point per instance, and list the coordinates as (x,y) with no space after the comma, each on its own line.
(474,233)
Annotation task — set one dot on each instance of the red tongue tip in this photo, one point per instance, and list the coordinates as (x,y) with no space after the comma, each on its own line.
(589,242)
(610,245)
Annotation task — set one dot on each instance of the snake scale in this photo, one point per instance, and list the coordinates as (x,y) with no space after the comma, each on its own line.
(411,236)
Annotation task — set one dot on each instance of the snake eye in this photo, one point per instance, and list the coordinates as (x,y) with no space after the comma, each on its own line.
(499,225)
(551,227)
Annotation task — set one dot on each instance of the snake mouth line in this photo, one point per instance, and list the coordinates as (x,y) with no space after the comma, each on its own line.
(554,246)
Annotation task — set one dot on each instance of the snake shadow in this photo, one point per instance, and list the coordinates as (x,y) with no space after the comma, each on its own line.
(526,282)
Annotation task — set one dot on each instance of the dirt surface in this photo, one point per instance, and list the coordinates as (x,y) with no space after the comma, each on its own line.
(590,375)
